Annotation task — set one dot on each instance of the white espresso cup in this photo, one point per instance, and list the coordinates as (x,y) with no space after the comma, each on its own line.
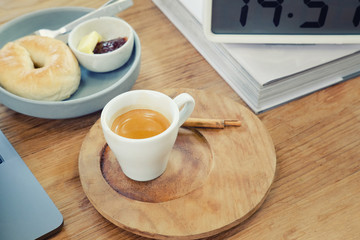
(145,159)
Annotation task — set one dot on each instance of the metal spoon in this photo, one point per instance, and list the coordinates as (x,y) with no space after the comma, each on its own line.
(110,8)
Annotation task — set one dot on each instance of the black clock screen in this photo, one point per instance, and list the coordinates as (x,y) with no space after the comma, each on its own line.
(286,17)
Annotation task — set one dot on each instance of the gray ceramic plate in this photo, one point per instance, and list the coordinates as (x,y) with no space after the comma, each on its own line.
(95,89)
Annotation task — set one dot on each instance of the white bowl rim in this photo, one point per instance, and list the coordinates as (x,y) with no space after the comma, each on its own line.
(129,41)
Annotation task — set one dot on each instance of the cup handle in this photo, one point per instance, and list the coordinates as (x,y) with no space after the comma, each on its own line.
(186,104)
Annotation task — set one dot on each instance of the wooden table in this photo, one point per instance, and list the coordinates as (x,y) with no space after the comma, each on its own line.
(316,193)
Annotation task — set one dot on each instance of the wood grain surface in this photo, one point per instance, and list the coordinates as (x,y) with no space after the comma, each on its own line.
(315,194)
(215,178)
(190,165)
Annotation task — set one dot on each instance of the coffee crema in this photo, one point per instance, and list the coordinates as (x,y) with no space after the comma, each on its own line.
(140,123)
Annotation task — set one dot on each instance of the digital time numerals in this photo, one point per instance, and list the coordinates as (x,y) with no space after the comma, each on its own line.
(321,6)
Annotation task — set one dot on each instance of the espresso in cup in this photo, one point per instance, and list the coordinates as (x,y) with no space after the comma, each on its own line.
(140,123)
(141,127)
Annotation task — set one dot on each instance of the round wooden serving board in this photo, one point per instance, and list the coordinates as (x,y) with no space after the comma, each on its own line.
(215,179)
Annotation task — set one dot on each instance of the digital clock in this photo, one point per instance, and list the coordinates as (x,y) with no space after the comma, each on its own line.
(282,21)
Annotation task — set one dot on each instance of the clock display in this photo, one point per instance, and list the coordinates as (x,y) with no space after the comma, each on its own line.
(328,17)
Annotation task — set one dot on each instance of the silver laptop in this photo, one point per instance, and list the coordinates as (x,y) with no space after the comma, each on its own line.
(26,211)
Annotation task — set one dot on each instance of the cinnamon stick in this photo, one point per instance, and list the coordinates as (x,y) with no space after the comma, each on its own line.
(211,123)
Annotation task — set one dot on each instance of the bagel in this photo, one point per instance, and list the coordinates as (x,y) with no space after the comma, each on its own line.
(39,68)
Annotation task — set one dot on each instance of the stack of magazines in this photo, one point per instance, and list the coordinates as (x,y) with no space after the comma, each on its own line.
(265,75)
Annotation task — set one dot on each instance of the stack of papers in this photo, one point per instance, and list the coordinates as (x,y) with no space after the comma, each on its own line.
(265,76)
